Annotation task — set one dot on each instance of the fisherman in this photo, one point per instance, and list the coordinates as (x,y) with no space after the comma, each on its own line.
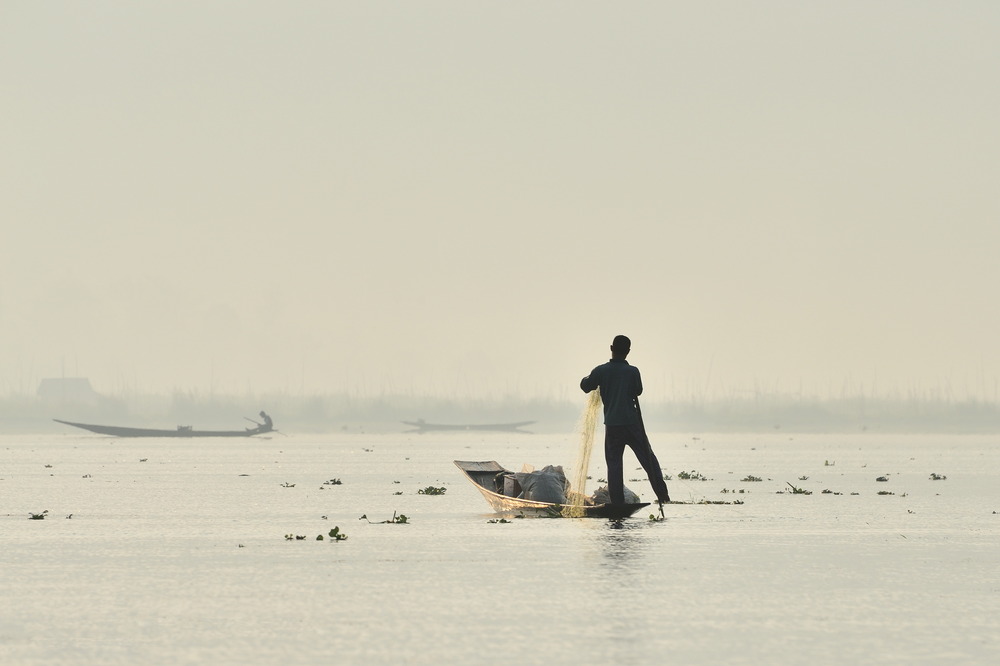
(268,424)
(620,386)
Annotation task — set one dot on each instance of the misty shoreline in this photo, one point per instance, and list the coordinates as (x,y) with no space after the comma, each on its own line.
(386,413)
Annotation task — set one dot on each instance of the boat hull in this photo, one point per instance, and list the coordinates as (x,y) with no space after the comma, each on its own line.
(484,475)
(421,426)
(119,431)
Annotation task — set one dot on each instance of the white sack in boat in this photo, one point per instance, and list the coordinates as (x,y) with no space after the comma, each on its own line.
(602,496)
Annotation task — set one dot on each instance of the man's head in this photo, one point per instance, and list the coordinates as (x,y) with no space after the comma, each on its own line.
(620,346)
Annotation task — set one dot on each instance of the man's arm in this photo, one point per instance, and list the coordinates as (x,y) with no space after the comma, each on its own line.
(590,382)
(638,382)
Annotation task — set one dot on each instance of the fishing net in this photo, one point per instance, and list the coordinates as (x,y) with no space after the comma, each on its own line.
(577,495)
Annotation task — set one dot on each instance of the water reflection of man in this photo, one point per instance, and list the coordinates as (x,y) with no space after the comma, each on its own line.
(621,385)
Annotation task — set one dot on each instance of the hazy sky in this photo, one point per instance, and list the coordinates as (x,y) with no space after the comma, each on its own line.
(472,198)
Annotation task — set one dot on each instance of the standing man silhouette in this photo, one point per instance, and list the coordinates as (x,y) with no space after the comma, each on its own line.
(620,386)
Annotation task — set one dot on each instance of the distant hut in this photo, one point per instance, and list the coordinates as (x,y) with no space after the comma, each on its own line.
(68,391)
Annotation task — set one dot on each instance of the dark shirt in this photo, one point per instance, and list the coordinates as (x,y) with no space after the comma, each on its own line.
(620,383)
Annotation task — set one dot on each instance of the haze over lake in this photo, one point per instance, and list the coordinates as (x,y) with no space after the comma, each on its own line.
(455,199)
(357,214)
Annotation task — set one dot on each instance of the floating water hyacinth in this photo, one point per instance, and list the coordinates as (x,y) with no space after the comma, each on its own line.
(400,519)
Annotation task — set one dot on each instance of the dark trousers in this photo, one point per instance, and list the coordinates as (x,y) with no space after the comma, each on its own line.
(616,438)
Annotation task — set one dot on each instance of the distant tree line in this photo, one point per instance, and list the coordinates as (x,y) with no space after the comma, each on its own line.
(347,412)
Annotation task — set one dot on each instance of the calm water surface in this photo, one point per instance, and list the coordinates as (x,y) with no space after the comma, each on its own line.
(176,553)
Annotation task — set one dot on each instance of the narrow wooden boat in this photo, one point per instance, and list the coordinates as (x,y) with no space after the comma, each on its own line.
(181,431)
(491,479)
(423,426)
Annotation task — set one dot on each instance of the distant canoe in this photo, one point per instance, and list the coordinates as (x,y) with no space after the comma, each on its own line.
(488,478)
(180,431)
(423,426)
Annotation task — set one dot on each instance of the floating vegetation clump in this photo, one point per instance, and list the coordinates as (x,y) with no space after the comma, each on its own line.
(431,490)
(333,482)
(499,520)
(798,491)
(830,492)
(38,516)
(287,485)
(882,479)
(885,492)
(937,477)
(335,535)
(692,476)
(750,478)
(400,519)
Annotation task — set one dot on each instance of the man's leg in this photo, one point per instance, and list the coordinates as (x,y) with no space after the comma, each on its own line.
(614,447)
(644,454)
